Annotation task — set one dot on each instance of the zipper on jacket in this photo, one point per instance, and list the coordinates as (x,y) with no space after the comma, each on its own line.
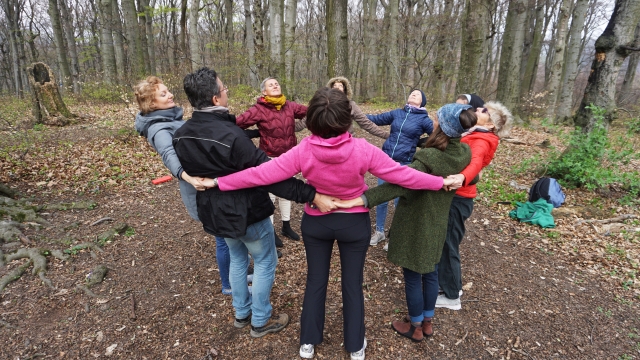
(400,133)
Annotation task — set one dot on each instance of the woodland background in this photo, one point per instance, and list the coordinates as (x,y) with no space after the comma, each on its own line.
(533,55)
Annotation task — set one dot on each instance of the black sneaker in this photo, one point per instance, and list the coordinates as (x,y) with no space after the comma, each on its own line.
(240,323)
(275,324)
(279,243)
(279,253)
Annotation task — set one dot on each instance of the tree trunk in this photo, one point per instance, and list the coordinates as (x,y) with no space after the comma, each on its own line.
(183,32)
(626,91)
(290,15)
(13,15)
(258,32)
(194,43)
(58,38)
(612,47)
(393,60)
(558,59)
(133,37)
(276,23)
(106,37)
(228,7)
(118,41)
(474,42)
(531,66)
(48,107)
(572,60)
(249,40)
(367,89)
(337,38)
(148,24)
(511,56)
(71,45)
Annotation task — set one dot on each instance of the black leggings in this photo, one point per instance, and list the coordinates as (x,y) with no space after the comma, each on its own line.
(353,231)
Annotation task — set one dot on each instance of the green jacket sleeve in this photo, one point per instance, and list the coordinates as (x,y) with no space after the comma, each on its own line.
(386,192)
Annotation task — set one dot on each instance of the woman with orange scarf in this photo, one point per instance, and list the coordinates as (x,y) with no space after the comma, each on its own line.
(275,117)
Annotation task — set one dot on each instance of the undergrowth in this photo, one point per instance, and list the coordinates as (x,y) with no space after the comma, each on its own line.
(594,159)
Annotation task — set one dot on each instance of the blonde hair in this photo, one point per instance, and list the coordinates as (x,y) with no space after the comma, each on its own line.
(145,91)
(500,117)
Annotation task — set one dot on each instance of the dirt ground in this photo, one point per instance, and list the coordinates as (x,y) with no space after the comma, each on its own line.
(528,294)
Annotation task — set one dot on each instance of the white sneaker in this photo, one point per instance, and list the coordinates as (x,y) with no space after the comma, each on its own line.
(386,247)
(444,302)
(249,278)
(306,351)
(359,355)
(376,238)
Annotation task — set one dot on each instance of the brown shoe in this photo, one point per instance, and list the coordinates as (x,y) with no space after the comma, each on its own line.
(408,330)
(275,324)
(427,327)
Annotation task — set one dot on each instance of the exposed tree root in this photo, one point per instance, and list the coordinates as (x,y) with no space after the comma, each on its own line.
(14,274)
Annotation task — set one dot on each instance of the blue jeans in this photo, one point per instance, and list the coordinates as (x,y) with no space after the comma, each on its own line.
(421,291)
(259,241)
(223,260)
(381,211)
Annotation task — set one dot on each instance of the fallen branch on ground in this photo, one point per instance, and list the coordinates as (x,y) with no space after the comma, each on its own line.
(606,221)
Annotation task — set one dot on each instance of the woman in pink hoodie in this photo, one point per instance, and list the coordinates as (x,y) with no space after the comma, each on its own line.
(335,164)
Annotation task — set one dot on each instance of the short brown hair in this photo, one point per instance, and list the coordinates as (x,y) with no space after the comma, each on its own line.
(329,113)
(439,140)
(145,91)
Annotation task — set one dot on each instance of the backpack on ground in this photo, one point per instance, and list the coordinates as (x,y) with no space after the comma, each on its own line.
(547,188)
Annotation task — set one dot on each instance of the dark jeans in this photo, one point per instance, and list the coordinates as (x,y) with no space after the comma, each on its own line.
(352,231)
(421,291)
(449,270)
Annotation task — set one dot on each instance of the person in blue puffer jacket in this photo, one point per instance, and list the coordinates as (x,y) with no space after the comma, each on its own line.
(407,125)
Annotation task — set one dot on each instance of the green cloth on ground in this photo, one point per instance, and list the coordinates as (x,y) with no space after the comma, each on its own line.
(537,213)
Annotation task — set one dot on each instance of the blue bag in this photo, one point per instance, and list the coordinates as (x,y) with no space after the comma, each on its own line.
(547,188)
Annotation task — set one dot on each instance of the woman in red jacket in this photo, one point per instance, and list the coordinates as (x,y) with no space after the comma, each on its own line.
(275,117)
(494,122)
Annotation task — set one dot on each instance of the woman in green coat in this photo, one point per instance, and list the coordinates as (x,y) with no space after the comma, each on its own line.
(419,225)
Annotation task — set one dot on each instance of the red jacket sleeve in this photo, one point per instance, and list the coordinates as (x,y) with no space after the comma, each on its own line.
(248,118)
(478,152)
(299,110)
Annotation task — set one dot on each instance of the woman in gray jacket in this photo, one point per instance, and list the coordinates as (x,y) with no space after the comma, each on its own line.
(343,84)
(158,120)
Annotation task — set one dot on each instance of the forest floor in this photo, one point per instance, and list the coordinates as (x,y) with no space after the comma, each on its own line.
(568,293)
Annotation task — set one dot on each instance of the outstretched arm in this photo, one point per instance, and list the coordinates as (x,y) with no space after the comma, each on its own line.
(367,125)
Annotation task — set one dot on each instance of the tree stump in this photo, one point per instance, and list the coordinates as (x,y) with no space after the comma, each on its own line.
(48,107)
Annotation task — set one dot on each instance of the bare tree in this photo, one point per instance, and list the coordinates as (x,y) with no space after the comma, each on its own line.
(475,20)
(67,25)
(612,47)
(61,49)
(337,38)
(572,60)
(511,55)
(627,84)
(108,53)
(558,59)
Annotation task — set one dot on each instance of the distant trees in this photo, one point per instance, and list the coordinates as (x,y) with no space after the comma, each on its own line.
(508,50)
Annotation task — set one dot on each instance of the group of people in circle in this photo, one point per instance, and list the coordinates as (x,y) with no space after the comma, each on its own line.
(230,185)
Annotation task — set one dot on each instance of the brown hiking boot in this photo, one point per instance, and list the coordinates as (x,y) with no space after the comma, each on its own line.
(407,329)
(275,324)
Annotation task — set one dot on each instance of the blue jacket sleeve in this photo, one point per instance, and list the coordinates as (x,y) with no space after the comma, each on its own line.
(427,125)
(382,119)
(162,142)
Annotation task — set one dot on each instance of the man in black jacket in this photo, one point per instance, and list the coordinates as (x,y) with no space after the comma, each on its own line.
(212,145)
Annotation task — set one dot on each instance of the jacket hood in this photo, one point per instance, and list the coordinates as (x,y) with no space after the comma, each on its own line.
(333,150)
(143,122)
(345,82)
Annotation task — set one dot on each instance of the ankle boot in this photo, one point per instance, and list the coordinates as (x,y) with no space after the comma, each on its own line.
(288,231)
(279,243)
(427,327)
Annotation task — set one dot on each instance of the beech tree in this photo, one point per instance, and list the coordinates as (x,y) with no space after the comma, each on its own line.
(612,47)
